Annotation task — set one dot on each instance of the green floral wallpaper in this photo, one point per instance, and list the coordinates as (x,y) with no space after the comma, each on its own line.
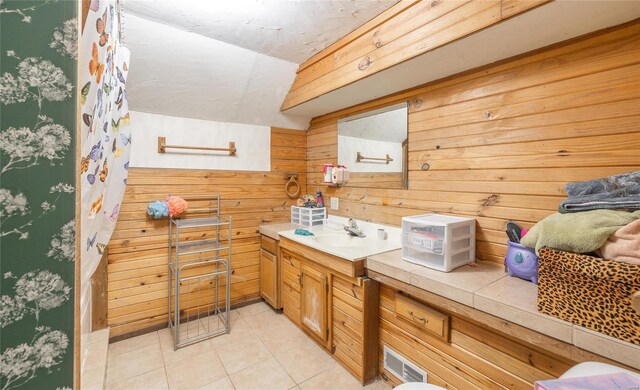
(38,50)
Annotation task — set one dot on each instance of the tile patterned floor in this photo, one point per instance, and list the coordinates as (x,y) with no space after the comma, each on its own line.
(252,356)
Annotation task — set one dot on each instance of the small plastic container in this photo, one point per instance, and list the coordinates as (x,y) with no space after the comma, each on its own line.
(441,242)
(306,216)
(521,262)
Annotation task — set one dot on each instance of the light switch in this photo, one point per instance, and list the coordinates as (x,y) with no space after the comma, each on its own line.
(335,203)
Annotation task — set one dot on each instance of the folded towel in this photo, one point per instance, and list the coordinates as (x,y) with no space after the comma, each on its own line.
(577,232)
(303,232)
(613,192)
(624,244)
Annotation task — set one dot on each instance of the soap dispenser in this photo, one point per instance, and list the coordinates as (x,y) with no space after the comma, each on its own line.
(319,198)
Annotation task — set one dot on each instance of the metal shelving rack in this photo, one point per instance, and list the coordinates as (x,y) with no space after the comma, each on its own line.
(197,268)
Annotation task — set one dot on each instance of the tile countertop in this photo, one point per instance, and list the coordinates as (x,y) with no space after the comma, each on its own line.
(486,287)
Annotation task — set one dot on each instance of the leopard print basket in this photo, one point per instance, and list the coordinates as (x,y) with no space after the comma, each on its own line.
(590,292)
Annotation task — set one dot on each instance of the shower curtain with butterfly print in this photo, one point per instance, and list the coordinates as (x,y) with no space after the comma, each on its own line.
(105,132)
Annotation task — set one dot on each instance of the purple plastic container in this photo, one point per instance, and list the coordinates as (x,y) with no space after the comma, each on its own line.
(522,262)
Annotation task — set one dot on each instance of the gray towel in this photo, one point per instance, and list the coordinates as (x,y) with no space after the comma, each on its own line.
(613,192)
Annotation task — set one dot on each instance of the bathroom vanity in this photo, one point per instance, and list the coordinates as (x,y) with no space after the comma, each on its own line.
(328,299)
(474,327)
(324,290)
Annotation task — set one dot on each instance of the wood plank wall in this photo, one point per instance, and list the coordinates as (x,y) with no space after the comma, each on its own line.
(404,31)
(502,141)
(137,253)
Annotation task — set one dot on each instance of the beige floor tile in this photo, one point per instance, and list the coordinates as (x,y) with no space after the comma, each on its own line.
(243,353)
(93,379)
(266,375)
(305,362)
(239,331)
(234,314)
(246,355)
(212,323)
(378,385)
(195,372)
(267,319)
(335,378)
(152,380)
(130,364)
(133,343)
(253,309)
(220,384)
(170,356)
(273,337)
(190,329)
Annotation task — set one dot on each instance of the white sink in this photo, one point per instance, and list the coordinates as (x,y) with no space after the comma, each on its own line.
(339,240)
(332,239)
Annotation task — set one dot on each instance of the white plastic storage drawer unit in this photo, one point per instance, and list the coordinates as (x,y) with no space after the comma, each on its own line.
(308,216)
(439,241)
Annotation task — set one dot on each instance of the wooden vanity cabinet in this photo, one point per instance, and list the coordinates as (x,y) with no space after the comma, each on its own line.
(354,326)
(334,304)
(269,272)
(268,277)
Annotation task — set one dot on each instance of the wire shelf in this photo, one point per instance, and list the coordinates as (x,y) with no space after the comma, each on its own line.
(200,222)
(199,277)
(198,246)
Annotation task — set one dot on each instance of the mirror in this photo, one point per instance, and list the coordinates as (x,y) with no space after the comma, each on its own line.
(373,145)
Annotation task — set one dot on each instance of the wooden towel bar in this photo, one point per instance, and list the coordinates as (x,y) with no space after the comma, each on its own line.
(162,147)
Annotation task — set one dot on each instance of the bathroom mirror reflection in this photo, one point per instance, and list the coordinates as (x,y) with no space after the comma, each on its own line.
(373,145)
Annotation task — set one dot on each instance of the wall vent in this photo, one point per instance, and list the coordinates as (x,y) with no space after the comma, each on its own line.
(402,368)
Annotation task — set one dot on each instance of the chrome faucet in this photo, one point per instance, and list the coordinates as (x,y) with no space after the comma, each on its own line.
(352,228)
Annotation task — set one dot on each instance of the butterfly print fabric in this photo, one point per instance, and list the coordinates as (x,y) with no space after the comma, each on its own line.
(105,134)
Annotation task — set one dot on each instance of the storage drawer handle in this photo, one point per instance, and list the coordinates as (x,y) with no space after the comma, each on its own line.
(423,319)
(300,276)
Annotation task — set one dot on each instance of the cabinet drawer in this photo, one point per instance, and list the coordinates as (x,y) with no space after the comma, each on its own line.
(290,273)
(290,260)
(269,244)
(422,316)
(290,284)
(291,309)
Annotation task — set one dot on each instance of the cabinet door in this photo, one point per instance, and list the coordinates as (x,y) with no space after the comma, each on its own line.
(268,276)
(313,302)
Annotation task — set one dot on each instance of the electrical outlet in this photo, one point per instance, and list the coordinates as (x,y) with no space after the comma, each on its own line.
(335,203)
